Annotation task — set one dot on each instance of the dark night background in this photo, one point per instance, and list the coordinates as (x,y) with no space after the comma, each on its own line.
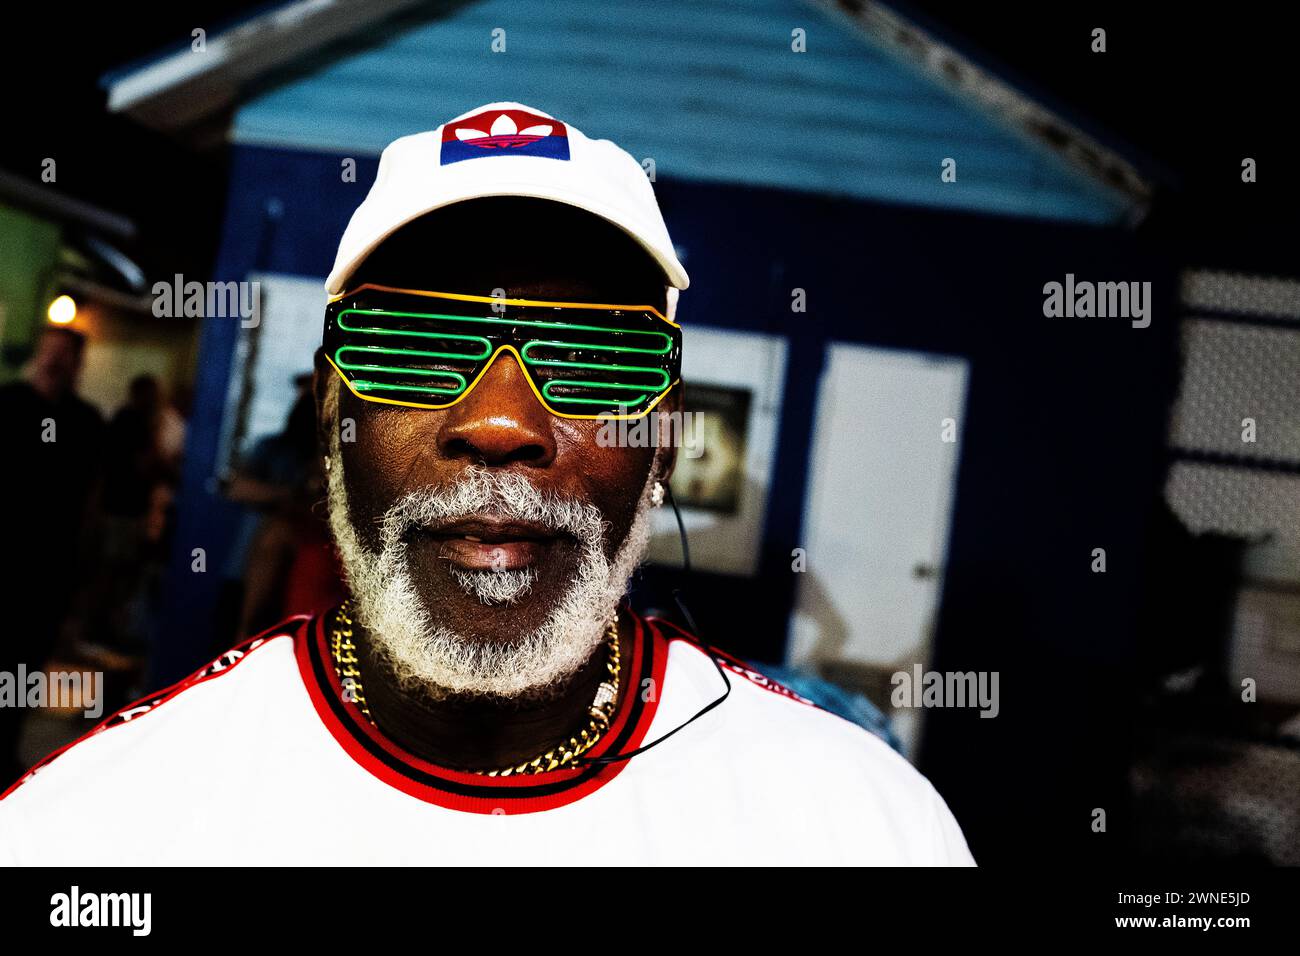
(1195,90)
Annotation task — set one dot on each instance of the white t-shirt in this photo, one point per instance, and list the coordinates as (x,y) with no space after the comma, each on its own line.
(260,758)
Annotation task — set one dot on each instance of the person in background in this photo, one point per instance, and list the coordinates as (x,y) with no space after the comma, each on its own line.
(133,461)
(293,548)
(53,440)
(279,481)
(111,611)
(172,428)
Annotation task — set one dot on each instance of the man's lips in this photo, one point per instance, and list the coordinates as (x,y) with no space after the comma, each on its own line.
(489,544)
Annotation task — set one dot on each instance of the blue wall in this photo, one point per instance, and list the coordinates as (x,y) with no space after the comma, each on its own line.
(709,89)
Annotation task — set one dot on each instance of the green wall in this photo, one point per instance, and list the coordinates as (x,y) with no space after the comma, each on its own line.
(29,250)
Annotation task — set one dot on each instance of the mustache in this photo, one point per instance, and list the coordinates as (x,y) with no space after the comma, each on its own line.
(480,493)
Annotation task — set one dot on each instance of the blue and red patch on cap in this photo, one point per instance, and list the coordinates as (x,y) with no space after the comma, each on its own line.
(497,132)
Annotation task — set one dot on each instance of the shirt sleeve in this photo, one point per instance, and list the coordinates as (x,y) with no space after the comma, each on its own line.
(8,851)
(949,843)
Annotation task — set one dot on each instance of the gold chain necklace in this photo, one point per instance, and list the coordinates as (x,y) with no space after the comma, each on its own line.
(600,713)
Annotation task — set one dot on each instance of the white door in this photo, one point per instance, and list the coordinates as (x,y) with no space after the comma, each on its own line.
(884,464)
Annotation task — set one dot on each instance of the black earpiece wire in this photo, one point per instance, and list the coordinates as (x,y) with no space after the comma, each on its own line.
(695,639)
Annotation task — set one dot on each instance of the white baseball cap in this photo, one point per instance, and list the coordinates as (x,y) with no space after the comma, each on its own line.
(506,149)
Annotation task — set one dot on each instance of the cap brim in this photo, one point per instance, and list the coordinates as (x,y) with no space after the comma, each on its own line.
(674,273)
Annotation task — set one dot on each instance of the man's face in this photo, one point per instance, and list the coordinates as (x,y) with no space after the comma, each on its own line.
(513,530)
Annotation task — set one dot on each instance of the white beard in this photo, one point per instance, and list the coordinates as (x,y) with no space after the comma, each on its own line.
(443,663)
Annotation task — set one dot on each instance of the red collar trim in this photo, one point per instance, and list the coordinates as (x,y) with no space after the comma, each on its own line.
(472,793)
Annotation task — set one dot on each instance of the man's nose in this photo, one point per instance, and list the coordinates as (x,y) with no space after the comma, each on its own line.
(500,421)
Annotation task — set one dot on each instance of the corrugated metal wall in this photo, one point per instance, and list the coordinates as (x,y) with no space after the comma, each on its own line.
(710,89)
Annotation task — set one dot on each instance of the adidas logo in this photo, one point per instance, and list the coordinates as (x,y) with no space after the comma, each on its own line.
(504,134)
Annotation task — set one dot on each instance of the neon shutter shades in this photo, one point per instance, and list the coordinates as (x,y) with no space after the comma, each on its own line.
(429,349)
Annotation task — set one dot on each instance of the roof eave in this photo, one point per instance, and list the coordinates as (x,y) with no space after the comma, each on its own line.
(184,89)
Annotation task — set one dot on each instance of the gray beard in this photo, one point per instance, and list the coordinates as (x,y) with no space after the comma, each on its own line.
(429,657)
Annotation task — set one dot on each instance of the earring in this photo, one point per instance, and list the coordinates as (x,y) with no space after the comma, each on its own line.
(657,495)
(327,464)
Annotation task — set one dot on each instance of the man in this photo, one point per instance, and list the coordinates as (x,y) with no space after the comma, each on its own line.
(485,696)
(52,440)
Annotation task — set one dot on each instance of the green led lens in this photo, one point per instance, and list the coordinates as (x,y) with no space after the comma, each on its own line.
(577,366)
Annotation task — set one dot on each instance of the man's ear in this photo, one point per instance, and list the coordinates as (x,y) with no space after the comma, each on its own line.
(666,455)
(322,380)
